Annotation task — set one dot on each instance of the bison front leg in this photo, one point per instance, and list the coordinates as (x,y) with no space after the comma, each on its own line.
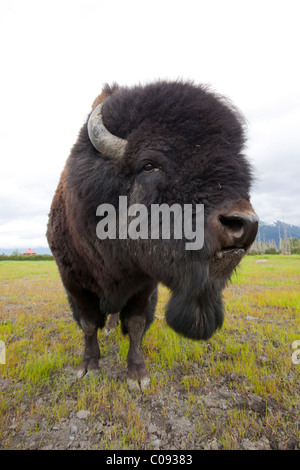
(136,318)
(86,311)
(137,374)
(91,354)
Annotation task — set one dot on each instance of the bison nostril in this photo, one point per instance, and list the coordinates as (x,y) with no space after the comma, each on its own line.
(240,229)
(232,223)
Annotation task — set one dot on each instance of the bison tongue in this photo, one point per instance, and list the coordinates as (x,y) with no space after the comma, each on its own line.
(196,316)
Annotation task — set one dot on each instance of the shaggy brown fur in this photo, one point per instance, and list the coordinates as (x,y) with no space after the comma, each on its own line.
(194,140)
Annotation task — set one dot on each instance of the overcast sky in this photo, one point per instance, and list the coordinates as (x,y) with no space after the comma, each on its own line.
(56,55)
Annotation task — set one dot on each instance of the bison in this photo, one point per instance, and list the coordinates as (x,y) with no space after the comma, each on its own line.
(168,142)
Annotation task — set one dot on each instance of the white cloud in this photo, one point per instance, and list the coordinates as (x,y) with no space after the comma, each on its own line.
(274,147)
(24,232)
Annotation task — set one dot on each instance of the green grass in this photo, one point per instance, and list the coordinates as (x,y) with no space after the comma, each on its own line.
(43,350)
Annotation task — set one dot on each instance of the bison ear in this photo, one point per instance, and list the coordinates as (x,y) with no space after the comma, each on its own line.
(195,317)
(107,91)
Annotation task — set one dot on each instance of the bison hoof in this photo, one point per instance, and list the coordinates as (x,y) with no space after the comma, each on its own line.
(144,383)
(87,373)
(138,379)
(111,324)
(108,331)
(88,368)
(132,384)
(138,384)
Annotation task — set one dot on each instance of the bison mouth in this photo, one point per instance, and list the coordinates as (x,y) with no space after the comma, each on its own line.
(232,253)
(235,231)
(224,262)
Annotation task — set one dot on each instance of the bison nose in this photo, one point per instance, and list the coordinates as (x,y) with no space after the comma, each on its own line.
(238,230)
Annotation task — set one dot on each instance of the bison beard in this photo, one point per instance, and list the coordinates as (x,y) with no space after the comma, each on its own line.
(196,310)
(195,317)
(167,142)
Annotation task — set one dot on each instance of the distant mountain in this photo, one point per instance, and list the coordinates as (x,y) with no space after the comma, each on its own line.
(272,231)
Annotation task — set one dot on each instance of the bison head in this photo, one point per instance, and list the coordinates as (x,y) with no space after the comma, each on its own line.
(170,143)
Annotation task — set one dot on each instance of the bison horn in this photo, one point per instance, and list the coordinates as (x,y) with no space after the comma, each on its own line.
(106,143)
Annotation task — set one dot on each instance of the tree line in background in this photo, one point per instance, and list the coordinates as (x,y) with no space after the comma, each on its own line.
(287,246)
(17,256)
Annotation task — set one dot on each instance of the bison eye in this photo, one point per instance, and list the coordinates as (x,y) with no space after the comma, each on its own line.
(149,167)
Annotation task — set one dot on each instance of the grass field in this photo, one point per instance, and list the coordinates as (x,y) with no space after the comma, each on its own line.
(239,390)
